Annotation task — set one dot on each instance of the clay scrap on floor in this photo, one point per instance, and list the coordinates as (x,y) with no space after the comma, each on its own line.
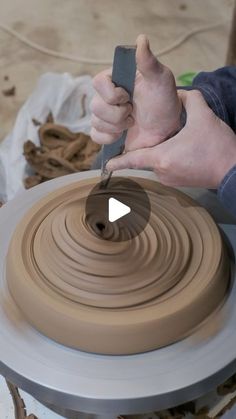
(9,92)
(60,152)
(19,405)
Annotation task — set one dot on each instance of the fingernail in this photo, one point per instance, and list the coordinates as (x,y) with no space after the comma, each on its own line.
(112,164)
(147,43)
(109,167)
(130,120)
(143,39)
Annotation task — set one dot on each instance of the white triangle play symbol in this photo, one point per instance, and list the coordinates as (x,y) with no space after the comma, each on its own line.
(116,209)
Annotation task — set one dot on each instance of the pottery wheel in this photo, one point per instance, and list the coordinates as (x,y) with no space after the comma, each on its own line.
(49,327)
(116,297)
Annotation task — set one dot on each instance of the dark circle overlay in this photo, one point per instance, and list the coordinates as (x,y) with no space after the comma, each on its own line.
(126,191)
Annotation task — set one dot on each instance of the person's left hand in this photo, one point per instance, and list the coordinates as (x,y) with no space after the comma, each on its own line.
(199,155)
(155,113)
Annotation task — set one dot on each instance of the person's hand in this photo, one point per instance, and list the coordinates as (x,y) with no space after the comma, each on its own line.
(199,155)
(155,114)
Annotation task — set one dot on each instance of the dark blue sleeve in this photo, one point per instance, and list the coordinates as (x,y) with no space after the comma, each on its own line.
(219,90)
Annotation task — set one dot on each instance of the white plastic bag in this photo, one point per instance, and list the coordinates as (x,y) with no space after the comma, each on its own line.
(67,98)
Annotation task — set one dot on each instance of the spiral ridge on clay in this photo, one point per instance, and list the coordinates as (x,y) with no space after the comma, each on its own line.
(116,297)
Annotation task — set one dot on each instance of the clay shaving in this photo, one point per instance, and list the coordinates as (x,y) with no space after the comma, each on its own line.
(60,152)
(19,405)
(227,387)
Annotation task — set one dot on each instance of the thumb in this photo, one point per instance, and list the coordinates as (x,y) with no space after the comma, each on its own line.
(138,159)
(193,102)
(147,63)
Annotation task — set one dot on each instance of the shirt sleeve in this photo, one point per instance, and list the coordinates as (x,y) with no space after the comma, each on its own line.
(219,91)
(227,191)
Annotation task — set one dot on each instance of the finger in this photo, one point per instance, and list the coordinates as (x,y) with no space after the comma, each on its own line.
(108,128)
(139,159)
(147,63)
(102,137)
(193,102)
(107,90)
(111,114)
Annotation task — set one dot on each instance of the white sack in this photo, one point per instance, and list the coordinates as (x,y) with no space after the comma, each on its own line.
(60,94)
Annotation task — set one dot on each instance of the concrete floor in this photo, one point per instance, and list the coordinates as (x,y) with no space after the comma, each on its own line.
(92,28)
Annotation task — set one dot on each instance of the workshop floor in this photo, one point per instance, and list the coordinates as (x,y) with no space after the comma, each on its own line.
(92,28)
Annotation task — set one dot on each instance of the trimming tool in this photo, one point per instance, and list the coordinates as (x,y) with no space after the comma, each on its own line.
(123,75)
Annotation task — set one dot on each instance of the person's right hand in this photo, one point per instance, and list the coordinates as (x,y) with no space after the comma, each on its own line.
(155,114)
(200,155)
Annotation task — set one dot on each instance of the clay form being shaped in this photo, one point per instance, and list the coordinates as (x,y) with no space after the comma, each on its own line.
(114,297)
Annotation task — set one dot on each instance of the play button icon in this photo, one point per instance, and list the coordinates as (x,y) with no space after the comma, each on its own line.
(116,210)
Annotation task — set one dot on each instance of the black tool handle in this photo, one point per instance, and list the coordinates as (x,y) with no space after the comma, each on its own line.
(124,68)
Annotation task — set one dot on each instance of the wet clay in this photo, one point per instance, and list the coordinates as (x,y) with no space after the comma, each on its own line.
(114,297)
